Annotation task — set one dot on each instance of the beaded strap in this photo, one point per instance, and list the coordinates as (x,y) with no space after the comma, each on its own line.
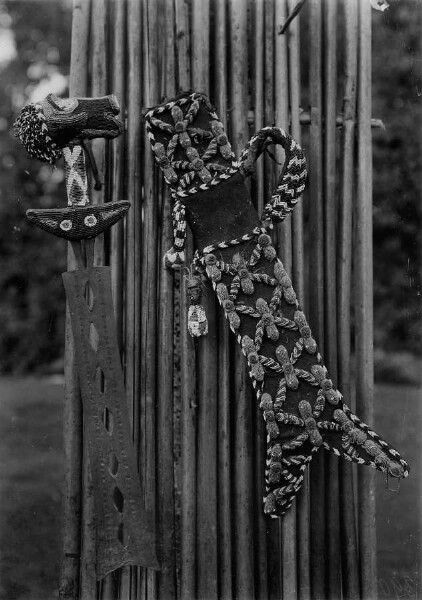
(293,178)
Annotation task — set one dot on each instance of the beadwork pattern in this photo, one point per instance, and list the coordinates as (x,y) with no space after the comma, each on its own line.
(302,409)
(194,158)
(32,130)
(212,161)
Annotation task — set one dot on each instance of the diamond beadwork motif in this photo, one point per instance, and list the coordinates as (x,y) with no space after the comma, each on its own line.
(300,405)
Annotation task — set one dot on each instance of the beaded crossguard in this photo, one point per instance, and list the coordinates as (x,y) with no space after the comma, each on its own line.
(125,530)
(301,407)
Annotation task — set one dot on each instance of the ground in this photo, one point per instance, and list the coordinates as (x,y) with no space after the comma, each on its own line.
(31,471)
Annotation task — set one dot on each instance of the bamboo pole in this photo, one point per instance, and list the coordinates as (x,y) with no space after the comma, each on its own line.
(149,264)
(258,87)
(293,37)
(165,476)
(273,525)
(99,64)
(187,362)
(330,285)
(166,578)
(364,309)
(188,448)
(133,238)
(224,439)
(257,188)
(207,368)
(72,407)
(243,559)
(133,219)
(98,56)
(316,281)
(117,33)
(302,503)
(281,113)
(350,573)
(282,118)
(88,584)
(224,532)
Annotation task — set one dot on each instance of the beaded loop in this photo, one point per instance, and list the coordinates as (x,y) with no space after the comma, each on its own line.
(293,177)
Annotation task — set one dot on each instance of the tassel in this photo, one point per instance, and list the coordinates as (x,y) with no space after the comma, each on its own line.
(175,257)
(197,318)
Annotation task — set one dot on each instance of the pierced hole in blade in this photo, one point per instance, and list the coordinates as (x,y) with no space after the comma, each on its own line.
(108,420)
(89,295)
(94,338)
(118,499)
(101,380)
(121,535)
(113,464)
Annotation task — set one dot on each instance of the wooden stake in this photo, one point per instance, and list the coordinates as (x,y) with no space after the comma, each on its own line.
(224,438)
(207,349)
(318,513)
(258,88)
(243,560)
(364,309)
(330,285)
(166,578)
(117,32)
(72,407)
(257,193)
(273,525)
(149,269)
(302,503)
(350,573)
(98,56)
(187,363)
(133,237)
(284,231)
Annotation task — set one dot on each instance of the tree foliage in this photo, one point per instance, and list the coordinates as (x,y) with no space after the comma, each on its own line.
(31,291)
(397,97)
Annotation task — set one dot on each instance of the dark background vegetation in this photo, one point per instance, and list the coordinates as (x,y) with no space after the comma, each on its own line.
(397,97)
(31,293)
(31,263)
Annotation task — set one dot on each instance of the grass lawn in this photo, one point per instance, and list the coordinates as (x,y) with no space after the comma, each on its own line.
(32,469)
(398,417)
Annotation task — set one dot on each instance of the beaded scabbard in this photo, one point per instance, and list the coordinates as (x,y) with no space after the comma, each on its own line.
(300,405)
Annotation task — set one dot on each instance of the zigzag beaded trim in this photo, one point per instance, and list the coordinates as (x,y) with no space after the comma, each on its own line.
(293,180)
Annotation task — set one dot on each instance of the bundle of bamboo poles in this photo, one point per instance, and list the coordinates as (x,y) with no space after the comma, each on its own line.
(199,437)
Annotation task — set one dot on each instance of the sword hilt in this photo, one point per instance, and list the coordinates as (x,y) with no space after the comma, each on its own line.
(56,127)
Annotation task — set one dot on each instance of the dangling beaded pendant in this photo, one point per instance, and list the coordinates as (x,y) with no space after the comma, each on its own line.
(197,318)
(175,257)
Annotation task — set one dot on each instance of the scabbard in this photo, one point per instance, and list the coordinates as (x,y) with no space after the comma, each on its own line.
(302,408)
(125,531)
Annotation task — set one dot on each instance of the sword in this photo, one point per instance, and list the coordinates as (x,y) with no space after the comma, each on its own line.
(125,530)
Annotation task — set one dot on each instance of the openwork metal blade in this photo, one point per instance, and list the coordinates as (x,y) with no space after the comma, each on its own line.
(125,530)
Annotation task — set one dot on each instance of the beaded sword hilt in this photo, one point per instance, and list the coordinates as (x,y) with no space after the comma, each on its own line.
(58,127)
